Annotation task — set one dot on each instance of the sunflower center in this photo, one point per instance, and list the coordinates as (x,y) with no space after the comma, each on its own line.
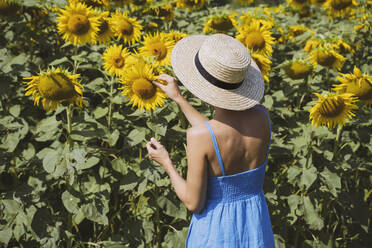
(143,88)
(78,24)
(159,51)
(362,91)
(139,2)
(298,70)
(223,23)
(255,41)
(325,59)
(118,61)
(341,4)
(56,86)
(103,27)
(126,28)
(332,107)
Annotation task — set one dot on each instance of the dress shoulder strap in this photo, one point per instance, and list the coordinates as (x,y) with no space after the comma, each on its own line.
(268,119)
(215,145)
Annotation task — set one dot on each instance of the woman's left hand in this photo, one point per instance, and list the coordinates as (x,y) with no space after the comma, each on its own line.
(158,152)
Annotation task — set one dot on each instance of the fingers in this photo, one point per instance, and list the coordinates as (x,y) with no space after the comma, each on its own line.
(155,143)
(160,85)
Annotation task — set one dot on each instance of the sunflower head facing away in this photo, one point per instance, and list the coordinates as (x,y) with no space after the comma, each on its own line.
(340,8)
(138,87)
(318,2)
(356,83)
(78,23)
(219,23)
(257,38)
(115,59)
(157,47)
(9,8)
(54,86)
(125,27)
(295,31)
(327,57)
(333,110)
(341,45)
(263,63)
(176,35)
(298,69)
(298,4)
(190,4)
(314,43)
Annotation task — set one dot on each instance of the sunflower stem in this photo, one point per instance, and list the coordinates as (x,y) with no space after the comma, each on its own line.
(110,105)
(338,141)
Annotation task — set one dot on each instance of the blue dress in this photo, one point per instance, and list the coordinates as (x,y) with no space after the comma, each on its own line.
(236,213)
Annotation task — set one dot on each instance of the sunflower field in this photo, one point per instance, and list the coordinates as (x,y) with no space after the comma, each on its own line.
(77,107)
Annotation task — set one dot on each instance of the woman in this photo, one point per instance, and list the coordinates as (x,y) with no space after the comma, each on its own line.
(227,155)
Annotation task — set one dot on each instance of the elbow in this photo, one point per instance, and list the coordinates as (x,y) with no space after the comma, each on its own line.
(194,207)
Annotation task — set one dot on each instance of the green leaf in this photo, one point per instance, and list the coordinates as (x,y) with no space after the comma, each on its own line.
(170,208)
(100,112)
(120,166)
(70,202)
(176,239)
(51,161)
(311,216)
(92,161)
(309,176)
(332,180)
(136,136)
(5,236)
(15,110)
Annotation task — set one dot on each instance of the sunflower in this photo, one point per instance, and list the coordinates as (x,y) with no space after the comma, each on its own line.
(333,110)
(263,63)
(115,59)
(247,18)
(219,23)
(121,3)
(139,4)
(341,45)
(165,12)
(125,27)
(9,8)
(138,87)
(298,69)
(257,38)
(339,8)
(314,43)
(298,4)
(357,83)
(78,23)
(318,2)
(54,86)
(295,31)
(157,47)
(327,57)
(176,35)
(243,2)
(190,4)
(105,32)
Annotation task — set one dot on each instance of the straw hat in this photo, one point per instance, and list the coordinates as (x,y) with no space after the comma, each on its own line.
(219,70)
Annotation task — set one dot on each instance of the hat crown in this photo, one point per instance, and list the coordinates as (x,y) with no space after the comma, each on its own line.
(225,58)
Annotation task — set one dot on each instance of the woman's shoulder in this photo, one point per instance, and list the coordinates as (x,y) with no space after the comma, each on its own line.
(197,130)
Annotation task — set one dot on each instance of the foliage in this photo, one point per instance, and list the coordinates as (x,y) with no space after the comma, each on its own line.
(87,182)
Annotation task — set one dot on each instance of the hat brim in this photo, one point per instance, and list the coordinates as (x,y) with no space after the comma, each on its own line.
(246,96)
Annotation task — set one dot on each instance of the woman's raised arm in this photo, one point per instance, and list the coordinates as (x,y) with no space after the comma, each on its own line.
(173,92)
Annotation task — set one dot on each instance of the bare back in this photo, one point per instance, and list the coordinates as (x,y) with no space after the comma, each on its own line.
(242,140)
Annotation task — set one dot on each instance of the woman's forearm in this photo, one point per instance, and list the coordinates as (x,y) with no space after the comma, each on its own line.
(178,182)
(192,115)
